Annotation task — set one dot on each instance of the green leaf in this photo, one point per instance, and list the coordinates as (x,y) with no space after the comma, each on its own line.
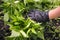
(6,17)
(16,23)
(37,0)
(15,34)
(15,28)
(30,0)
(27,25)
(28,31)
(40,34)
(36,25)
(33,31)
(25,1)
(23,33)
(16,12)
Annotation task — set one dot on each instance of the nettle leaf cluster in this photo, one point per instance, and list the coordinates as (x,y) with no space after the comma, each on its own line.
(25,29)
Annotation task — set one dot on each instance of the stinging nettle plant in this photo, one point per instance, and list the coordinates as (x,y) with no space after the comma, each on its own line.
(13,16)
(25,29)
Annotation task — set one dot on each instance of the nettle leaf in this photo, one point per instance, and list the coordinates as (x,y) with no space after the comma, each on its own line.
(16,23)
(27,25)
(30,0)
(40,34)
(13,17)
(16,2)
(16,12)
(6,17)
(37,0)
(33,31)
(20,7)
(15,34)
(36,25)
(15,28)
(5,0)
(23,33)
(25,2)
(28,31)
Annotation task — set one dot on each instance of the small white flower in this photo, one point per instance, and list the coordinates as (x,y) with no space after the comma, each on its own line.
(16,2)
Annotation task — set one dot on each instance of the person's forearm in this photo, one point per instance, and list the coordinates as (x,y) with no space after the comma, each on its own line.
(54,13)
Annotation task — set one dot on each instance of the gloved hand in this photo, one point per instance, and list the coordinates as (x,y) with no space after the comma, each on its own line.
(38,16)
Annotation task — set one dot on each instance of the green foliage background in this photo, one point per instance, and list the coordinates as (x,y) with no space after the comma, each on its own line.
(27,29)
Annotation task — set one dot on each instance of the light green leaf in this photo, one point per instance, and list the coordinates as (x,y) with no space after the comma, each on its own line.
(25,1)
(27,25)
(16,23)
(37,0)
(6,17)
(40,34)
(37,25)
(30,0)
(33,31)
(14,34)
(23,33)
(15,28)
(28,31)
(16,12)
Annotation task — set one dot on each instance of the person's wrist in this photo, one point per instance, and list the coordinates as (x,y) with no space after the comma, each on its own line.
(55,13)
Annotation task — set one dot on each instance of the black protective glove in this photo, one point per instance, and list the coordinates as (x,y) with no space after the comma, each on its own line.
(38,16)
